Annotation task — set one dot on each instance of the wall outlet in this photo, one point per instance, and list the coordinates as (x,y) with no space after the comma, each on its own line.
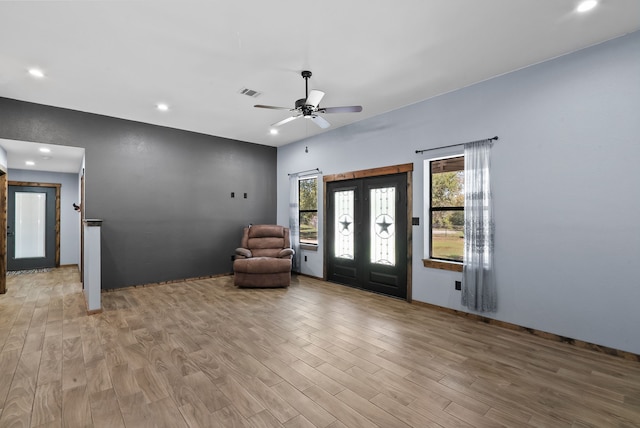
(458,285)
(305,258)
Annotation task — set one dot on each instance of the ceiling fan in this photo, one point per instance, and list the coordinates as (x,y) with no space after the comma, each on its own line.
(309,106)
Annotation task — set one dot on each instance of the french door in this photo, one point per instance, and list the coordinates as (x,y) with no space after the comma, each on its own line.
(31,227)
(367,233)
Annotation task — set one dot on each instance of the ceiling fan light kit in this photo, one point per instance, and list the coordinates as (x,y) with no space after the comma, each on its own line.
(309,106)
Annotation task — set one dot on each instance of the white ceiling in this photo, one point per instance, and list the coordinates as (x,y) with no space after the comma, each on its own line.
(57,159)
(121,58)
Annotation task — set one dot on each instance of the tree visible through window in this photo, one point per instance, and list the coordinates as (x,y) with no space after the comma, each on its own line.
(308,202)
(447,209)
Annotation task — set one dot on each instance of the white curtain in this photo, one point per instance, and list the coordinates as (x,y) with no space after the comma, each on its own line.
(294,221)
(478,278)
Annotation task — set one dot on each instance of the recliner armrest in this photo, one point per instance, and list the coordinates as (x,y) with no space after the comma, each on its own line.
(287,252)
(243,253)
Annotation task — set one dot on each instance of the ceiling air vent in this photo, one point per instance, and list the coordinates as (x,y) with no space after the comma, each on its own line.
(249,92)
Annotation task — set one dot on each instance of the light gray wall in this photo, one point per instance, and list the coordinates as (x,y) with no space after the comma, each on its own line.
(164,194)
(565,185)
(69,218)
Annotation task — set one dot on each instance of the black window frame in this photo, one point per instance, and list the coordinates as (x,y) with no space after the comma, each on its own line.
(433,209)
(305,211)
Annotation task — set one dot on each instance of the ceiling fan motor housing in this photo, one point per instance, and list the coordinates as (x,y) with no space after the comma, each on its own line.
(306,109)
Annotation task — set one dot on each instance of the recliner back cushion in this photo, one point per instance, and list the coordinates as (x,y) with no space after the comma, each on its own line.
(261,243)
(264,231)
(265,240)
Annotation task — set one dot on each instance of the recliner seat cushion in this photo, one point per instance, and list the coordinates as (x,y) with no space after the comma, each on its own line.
(266,252)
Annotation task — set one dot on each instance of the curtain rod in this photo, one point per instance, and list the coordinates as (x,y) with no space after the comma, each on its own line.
(453,145)
(306,170)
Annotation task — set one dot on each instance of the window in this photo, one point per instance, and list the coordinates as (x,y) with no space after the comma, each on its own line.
(308,202)
(447,209)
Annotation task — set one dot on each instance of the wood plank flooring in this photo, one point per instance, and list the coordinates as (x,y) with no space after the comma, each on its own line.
(205,354)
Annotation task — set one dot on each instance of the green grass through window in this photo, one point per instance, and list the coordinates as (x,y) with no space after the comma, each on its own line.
(448,244)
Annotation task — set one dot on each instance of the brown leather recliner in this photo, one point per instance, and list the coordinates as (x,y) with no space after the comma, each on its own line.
(264,258)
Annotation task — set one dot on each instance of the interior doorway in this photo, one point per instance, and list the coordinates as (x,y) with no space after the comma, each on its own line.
(50,160)
(368,230)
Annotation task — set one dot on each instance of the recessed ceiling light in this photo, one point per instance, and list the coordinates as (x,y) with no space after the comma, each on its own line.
(162,107)
(36,72)
(30,163)
(273,131)
(45,150)
(587,5)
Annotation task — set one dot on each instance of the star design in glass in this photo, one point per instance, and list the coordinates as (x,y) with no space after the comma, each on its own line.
(345,224)
(384,226)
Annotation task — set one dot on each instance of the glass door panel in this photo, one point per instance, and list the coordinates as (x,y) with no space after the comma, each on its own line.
(344,227)
(30,228)
(383,213)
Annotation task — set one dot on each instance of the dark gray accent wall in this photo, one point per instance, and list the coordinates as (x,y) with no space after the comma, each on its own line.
(163,193)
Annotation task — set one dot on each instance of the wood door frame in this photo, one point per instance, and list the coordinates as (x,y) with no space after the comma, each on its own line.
(3,231)
(57,187)
(407,169)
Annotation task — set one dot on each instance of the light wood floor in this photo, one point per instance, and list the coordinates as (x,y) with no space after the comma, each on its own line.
(204,354)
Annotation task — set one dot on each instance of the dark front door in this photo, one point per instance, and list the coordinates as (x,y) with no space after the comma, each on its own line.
(31,227)
(367,233)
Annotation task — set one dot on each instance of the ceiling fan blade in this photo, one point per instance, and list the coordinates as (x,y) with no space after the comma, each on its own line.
(345,109)
(287,120)
(320,121)
(314,98)
(273,107)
